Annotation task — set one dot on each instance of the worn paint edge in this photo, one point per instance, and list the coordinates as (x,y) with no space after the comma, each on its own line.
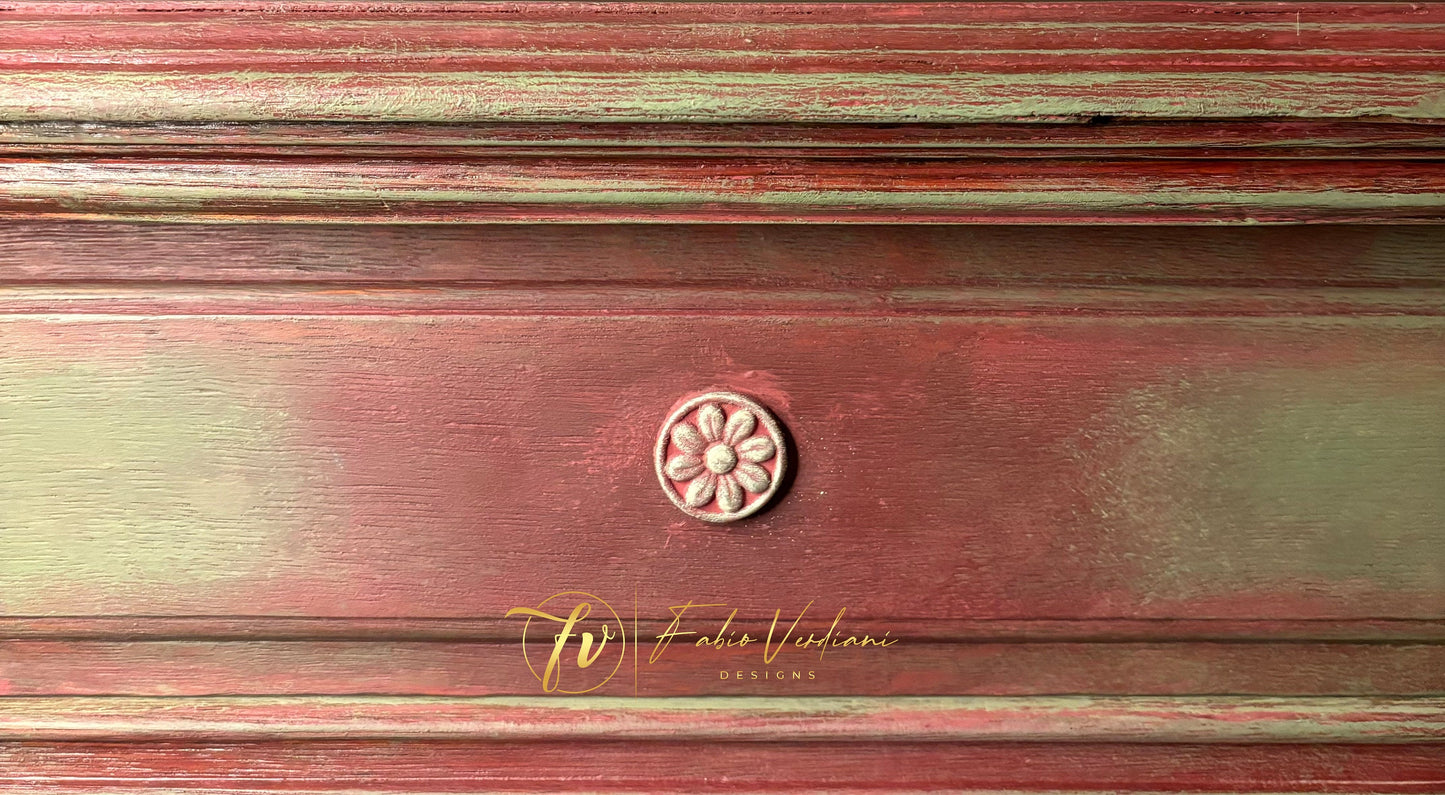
(927,630)
(1059,719)
(585,201)
(716,96)
(51,789)
(118,299)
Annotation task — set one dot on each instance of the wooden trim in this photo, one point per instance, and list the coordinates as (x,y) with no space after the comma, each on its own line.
(1153,303)
(562,187)
(752,62)
(938,630)
(717,97)
(879,112)
(871,260)
(435,766)
(1077,719)
(1337,139)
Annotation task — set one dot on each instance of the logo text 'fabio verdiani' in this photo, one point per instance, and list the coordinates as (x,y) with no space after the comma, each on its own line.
(574,642)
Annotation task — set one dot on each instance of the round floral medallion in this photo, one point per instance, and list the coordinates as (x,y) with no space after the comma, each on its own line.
(720,457)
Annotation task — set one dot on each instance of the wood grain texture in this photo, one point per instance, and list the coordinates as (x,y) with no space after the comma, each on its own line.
(1141,509)
(476,745)
(1081,720)
(388,766)
(1338,139)
(1241,468)
(838,112)
(302,420)
(559,187)
(755,62)
(986,665)
(816,259)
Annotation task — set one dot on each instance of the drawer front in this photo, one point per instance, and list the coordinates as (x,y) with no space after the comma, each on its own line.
(1030,489)
(749,397)
(954,468)
(1159,533)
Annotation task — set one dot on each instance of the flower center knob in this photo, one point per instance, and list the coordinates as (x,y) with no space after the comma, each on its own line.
(721,458)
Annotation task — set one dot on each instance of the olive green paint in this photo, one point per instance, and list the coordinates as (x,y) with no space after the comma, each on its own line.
(1281,482)
(707,96)
(1070,719)
(143,479)
(158,193)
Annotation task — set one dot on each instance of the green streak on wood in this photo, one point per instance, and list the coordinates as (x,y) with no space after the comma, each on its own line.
(708,96)
(106,197)
(1057,719)
(1267,482)
(141,473)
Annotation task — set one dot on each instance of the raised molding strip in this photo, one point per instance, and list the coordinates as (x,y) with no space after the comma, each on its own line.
(878,112)
(1077,719)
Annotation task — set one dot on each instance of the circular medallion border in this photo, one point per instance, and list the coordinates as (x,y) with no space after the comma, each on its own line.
(729,464)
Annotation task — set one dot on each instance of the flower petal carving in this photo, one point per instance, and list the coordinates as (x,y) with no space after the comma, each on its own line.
(688,439)
(710,422)
(721,456)
(729,493)
(685,467)
(740,426)
(700,491)
(757,449)
(752,477)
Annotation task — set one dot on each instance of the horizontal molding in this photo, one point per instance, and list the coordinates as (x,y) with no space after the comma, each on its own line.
(1076,719)
(751,62)
(714,97)
(421,766)
(273,656)
(819,257)
(131,790)
(734,189)
(976,666)
(928,630)
(1351,305)
(886,112)
(1342,139)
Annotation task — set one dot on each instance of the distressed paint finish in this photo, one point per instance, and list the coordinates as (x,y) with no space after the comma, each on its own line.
(196,477)
(1142,507)
(863,262)
(1214,427)
(721,97)
(984,658)
(556,187)
(1331,138)
(1353,721)
(478,449)
(816,98)
(433,745)
(439,766)
(756,62)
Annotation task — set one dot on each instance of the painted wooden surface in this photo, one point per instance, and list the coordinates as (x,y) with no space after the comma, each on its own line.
(859,112)
(332,332)
(809,260)
(559,187)
(735,63)
(1188,468)
(398,768)
(326,460)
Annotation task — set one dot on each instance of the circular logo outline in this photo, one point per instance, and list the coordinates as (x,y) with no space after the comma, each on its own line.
(621,634)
